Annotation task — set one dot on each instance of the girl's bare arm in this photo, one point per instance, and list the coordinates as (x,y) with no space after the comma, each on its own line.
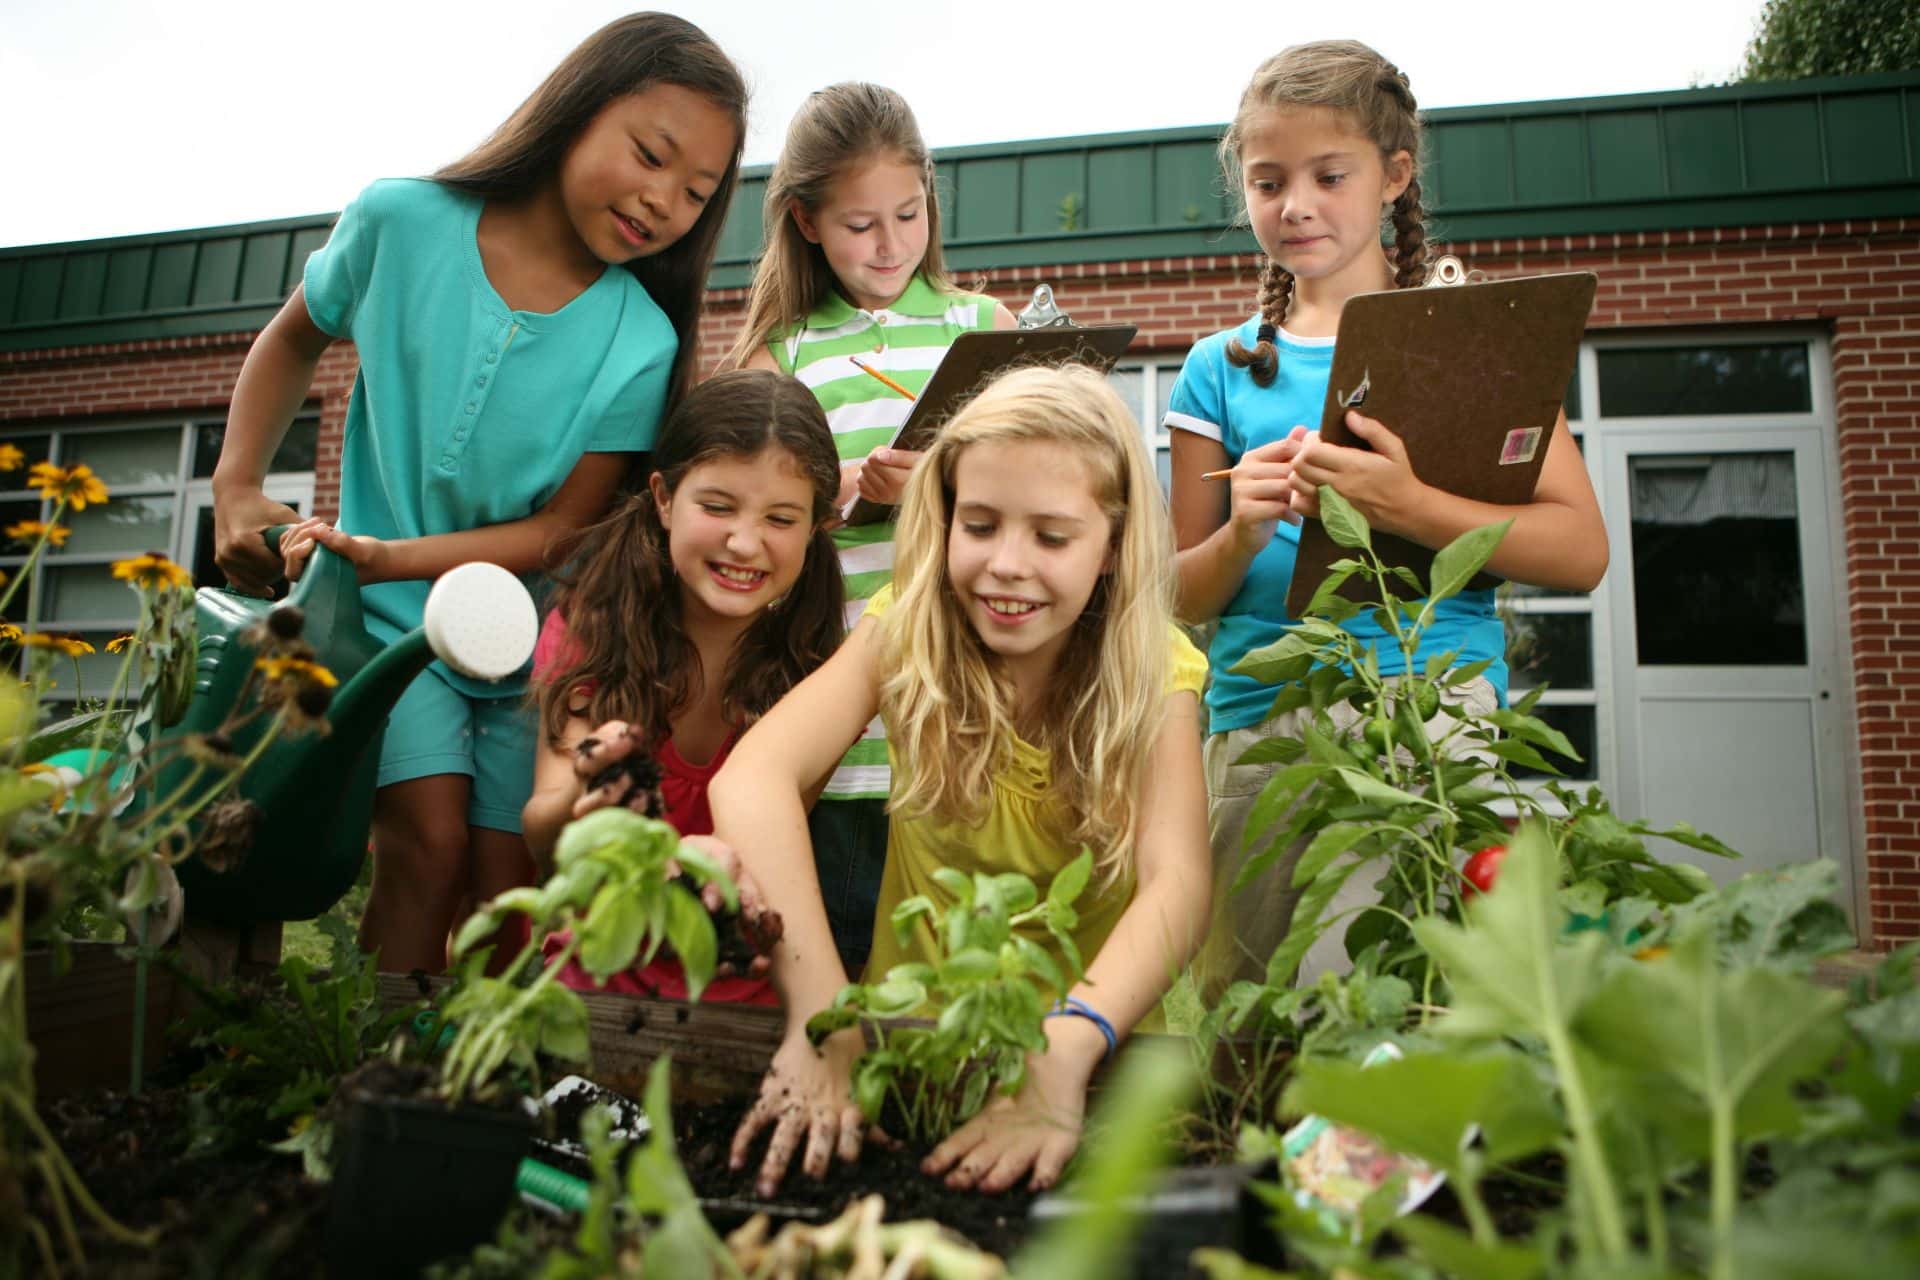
(274,382)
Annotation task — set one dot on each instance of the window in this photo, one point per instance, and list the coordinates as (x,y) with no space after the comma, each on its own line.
(161,500)
(1146,386)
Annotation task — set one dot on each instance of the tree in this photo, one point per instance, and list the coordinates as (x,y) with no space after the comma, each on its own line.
(1798,38)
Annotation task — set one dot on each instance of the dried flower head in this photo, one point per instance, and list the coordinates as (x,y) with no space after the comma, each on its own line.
(29,530)
(152,571)
(287,621)
(226,833)
(212,749)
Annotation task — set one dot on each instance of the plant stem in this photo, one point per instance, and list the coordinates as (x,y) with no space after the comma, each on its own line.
(25,571)
(1588,1158)
(1467,1190)
(136,1070)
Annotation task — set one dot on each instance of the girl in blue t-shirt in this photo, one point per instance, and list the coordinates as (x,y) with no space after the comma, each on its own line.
(1325,147)
(522,320)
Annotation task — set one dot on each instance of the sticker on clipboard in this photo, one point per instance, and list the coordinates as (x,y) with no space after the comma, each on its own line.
(1521,444)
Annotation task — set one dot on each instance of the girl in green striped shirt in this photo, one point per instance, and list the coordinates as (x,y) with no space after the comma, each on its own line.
(852,268)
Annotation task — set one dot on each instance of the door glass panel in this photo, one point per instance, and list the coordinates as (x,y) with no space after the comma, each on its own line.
(146,458)
(1716,560)
(128,525)
(1642,382)
(81,594)
(1555,649)
(1130,384)
(297,451)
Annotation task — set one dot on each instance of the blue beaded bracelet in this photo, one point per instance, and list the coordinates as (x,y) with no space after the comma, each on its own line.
(1072,1007)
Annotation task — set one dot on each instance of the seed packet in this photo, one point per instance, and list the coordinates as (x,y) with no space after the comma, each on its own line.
(1334,1169)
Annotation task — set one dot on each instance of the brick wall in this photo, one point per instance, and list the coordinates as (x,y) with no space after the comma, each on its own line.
(1859,280)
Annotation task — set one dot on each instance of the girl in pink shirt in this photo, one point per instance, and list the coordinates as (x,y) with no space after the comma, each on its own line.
(687,614)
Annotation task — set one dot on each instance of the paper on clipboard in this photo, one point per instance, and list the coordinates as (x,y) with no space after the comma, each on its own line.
(975,359)
(1471,378)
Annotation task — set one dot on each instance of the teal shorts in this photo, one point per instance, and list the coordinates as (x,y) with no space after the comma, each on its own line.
(434,728)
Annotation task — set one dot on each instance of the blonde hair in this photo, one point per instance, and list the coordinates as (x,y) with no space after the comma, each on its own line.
(948,705)
(1351,78)
(835,130)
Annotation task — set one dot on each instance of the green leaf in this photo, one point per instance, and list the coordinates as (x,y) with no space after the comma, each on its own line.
(1282,662)
(1071,880)
(695,862)
(1328,845)
(690,929)
(971,965)
(77,732)
(1455,564)
(827,1021)
(1453,1252)
(1518,752)
(478,928)
(560,1021)
(1742,1039)
(1784,917)
(892,999)
(1429,1105)
(611,932)
(1369,788)
(1345,525)
(1307,925)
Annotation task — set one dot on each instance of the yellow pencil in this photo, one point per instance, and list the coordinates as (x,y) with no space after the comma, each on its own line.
(1216,475)
(872,372)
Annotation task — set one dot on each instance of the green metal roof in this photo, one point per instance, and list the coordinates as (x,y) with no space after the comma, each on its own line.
(1739,155)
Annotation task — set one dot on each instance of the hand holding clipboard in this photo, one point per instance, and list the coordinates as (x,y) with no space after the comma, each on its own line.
(977,358)
(1471,379)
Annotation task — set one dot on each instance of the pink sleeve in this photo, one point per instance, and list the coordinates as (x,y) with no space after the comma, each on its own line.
(555,648)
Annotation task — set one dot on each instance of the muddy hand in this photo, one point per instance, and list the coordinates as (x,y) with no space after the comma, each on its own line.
(806,1101)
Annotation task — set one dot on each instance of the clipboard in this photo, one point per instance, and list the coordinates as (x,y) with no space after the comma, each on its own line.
(975,359)
(1472,377)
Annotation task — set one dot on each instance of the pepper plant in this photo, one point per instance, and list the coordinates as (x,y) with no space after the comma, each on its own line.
(1367,788)
(987,996)
(617,889)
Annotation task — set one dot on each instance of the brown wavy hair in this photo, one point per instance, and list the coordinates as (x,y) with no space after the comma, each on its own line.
(621,599)
(627,56)
(1348,77)
(835,129)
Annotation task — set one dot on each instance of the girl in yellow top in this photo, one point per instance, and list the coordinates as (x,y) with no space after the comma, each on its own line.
(1037,699)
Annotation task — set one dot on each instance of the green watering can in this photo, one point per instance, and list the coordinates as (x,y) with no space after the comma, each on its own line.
(315,791)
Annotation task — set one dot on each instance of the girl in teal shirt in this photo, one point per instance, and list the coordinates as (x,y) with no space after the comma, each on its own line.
(522,320)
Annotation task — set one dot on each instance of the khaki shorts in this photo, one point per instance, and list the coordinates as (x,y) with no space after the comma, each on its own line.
(1249,925)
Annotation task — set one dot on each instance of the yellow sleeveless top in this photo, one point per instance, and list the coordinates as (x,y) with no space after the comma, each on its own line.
(1013,837)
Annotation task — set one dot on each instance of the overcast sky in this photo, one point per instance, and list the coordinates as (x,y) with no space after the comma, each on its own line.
(129,116)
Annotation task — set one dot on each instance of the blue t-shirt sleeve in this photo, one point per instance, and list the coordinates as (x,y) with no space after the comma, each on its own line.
(1198,401)
(338,272)
(632,421)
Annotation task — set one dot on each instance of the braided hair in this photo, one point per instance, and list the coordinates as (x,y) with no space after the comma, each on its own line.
(1350,77)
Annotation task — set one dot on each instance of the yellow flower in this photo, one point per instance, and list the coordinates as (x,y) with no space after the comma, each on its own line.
(302,669)
(77,484)
(9,634)
(152,571)
(28,530)
(11,457)
(71,645)
(119,643)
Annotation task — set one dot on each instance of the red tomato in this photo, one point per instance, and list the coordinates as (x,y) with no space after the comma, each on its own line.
(1482,869)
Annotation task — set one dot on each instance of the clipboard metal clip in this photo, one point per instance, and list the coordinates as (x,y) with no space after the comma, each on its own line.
(1042,312)
(1447,270)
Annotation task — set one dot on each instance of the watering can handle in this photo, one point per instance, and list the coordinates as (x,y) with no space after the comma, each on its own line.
(273,533)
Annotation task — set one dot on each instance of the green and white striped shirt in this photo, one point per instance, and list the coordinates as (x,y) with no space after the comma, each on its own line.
(906,342)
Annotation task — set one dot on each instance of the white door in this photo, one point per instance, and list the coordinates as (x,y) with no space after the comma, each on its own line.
(1728,679)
